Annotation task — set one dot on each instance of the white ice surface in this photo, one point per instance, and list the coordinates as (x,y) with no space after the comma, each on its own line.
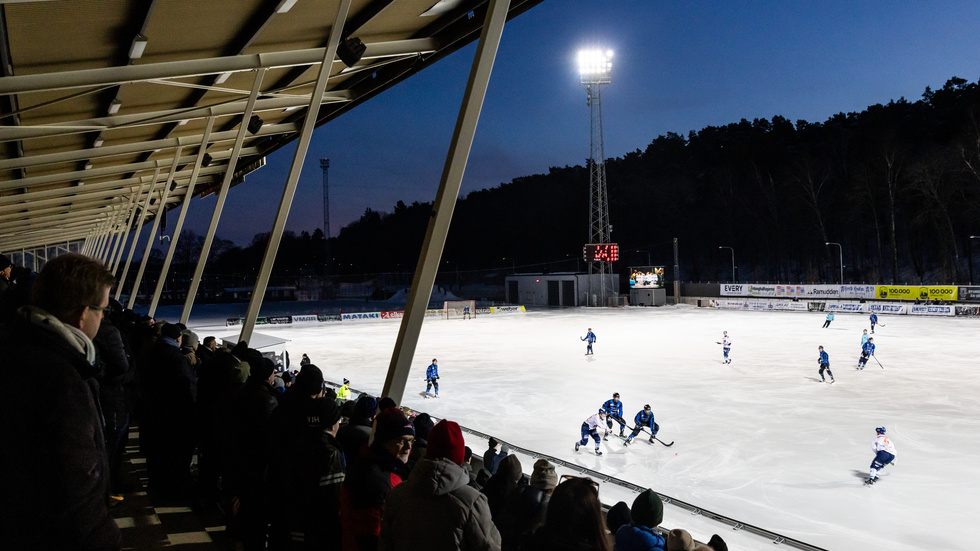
(758,440)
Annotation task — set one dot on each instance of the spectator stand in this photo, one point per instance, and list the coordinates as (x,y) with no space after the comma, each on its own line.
(622,486)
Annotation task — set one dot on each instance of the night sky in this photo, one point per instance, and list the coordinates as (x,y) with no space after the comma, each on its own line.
(677,67)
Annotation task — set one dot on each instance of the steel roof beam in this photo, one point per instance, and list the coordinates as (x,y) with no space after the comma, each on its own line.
(105,76)
(232,108)
(138,147)
(110,170)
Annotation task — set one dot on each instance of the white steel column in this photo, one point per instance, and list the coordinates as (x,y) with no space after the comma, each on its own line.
(452,178)
(302,144)
(110,230)
(219,205)
(153,232)
(129,226)
(139,227)
(119,233)
(180,219)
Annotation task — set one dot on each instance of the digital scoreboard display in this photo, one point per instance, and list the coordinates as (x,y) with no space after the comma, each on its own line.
(601,252)
(646,277)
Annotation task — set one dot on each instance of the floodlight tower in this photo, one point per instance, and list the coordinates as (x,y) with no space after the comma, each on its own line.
(594,67)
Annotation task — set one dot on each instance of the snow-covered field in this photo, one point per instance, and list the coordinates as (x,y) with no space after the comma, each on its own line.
(758,440)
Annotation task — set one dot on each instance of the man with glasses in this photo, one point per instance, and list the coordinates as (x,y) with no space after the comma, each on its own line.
(56,486)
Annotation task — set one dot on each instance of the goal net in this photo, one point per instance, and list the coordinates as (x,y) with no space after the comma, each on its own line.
(459,309)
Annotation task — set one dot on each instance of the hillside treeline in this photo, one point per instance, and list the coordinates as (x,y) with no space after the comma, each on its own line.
(897,185)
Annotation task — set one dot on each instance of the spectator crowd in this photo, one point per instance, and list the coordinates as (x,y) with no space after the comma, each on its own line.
(291,463)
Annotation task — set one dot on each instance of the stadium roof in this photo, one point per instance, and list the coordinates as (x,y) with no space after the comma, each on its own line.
(105,104)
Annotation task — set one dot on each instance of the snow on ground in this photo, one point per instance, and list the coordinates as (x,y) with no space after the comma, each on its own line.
(759,440)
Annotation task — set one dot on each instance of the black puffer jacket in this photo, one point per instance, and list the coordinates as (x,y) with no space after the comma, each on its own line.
(55,483)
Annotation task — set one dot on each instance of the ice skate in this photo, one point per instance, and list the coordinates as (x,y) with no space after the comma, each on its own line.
(651,439)
(598,452)
(627,442)
(576,446)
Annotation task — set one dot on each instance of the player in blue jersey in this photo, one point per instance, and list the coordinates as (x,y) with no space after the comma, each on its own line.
(614,412)
(824,362)
(591,338)
(644,418)
(867,350)
(432,378)
(874,319)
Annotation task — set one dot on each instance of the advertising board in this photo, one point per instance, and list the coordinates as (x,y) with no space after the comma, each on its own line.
(969,293)
(304,318)
(916,292)
(930,310)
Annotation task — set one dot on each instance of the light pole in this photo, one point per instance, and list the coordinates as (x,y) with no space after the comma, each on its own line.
(649,262)
(841,251)
(733,262)
(969,248)
(594,69)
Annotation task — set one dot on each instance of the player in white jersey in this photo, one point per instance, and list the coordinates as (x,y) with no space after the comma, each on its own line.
(590,427)
(884,454)
(726,346)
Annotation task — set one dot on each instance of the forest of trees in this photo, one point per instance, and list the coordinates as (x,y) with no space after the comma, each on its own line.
(897,185)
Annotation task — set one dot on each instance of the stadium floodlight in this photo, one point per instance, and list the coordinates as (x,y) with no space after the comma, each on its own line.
(595,66)
(733,262)
(840,250)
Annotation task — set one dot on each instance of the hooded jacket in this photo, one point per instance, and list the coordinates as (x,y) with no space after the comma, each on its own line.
(437,509)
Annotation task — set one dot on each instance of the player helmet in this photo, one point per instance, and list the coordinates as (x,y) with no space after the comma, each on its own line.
(880,430)
(602,411)
(647,407)
(615,395)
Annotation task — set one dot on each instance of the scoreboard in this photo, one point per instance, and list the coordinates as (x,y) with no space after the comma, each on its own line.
(601,252)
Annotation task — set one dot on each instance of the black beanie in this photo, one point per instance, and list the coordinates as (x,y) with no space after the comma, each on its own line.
(323,414)
(310,380)
(618,515)
(170,330)
(4,262)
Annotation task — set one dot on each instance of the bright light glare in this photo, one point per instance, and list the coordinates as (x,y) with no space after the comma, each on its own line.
(595,62)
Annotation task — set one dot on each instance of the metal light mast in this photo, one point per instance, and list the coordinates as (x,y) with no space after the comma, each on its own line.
(594,69)
(325,164)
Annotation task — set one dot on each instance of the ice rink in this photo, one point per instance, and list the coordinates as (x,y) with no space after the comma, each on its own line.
(759,440)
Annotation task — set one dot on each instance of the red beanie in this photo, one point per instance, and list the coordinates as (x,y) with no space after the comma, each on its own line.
(446,440)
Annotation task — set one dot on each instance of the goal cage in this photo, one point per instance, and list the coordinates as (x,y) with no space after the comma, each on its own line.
(459,309)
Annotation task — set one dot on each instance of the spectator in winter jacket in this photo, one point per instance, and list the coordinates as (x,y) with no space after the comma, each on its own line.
(54,486)
(251,450)
(307,491)
(641,534)
(525,507)
(436,508)
(355,434)
(574,520)
(169,389)
(115,387)
(500,485)
(380,467)
(423,425)
(491,459)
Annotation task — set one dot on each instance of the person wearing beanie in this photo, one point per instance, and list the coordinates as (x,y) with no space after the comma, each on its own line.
(525,506)
(250,448)
(309,486)
(355,434)
(500,485)
(436,508)
(309,381)
(343,393)
(169,413)
(492,459)
(379,467)
(680,540)
(618,516)
(646,515)
(423,425)
(717,544)
(347,411)
(385,403)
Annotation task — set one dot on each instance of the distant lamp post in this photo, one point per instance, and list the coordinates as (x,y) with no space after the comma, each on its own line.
(733,262)
(649,262)
(970,251)
(841,251)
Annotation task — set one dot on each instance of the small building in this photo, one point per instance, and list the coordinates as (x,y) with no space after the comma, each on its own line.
(559,289)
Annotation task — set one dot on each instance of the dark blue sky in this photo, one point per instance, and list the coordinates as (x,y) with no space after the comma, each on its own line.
(678,66)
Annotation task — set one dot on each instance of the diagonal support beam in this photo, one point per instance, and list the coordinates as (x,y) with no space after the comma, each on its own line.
(299,156)
(153,232)
(139,226)
(180,219)
(445,203)
(219,205)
